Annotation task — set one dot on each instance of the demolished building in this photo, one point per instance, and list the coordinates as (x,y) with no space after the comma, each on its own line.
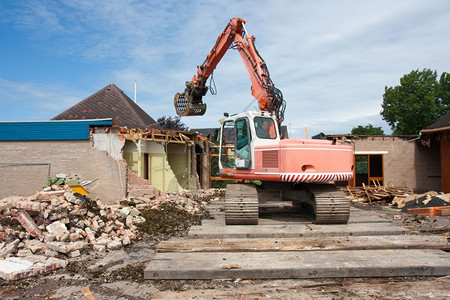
(101,139)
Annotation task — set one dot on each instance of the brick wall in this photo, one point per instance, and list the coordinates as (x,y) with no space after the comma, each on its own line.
(66,157)
(406,163)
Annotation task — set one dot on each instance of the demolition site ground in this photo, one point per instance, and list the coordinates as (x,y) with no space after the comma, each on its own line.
(119,274)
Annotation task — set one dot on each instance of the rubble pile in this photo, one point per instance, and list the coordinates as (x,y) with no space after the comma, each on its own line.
(59,222)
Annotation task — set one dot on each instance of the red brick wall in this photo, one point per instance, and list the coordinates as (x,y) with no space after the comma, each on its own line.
(67,157)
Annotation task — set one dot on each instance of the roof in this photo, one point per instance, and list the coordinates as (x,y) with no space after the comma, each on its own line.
(443,123)
(109,102)
(49,130)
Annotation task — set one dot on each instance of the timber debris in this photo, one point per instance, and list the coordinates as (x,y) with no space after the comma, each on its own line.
(427,204)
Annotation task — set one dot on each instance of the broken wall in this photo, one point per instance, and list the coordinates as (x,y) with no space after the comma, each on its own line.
(150,161)
(67,157)
(180,159)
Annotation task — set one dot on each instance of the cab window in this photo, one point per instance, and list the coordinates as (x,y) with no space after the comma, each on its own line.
(265,128)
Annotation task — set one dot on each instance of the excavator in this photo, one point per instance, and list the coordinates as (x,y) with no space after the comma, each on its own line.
(252,149)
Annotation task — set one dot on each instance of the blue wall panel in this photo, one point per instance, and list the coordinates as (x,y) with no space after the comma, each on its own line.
(49,130)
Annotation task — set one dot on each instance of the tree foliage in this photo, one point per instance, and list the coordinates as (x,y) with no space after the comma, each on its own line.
(417,102)
(367,130)
(173,123)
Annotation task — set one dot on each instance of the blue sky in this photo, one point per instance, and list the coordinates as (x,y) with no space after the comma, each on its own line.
(331,59)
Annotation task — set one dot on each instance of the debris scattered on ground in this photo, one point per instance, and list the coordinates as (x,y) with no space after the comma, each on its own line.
(377,193)
(428,204)
(58,222)
(429,199)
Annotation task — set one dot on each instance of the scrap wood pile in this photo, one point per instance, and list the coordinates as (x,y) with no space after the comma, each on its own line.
(377,193)
(428,204)
(59,223)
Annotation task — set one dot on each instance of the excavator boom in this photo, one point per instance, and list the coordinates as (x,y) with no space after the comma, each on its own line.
(189,103)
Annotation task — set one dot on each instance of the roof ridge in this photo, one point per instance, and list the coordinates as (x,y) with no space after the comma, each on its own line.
(131,104)
(109,102)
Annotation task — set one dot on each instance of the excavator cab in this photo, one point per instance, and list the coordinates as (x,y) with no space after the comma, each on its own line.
(240,134)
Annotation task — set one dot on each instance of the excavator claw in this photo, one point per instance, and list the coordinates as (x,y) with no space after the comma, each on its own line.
(189,103)
(185,108)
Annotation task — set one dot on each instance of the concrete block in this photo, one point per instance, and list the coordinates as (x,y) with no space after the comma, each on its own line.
(147,193)
(49,238)
(114,245)
(75,253)
(102,241)
(58,229)
(35,246)
(135,212)
(50,253)
(125,211)
(15,268)
(126,240)
(99,247)
(23,252)
(65,248)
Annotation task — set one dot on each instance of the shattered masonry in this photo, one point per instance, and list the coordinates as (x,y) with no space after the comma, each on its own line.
(42,232)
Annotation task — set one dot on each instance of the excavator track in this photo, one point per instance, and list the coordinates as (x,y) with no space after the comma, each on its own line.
(331,205)
(241,205)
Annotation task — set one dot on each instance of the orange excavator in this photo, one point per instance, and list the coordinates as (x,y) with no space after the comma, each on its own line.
(269,97)
(302,171)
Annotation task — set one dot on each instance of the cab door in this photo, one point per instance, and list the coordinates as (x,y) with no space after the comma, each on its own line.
(243,153)
(235,145)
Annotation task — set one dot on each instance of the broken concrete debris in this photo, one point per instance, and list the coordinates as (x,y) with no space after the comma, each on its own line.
(57,222)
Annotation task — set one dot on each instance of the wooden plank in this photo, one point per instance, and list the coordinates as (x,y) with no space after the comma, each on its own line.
(444,211)
(306,244)
(294,230)
(308,264)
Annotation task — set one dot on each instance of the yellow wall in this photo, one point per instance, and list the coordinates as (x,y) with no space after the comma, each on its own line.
(179,157)
(161,174)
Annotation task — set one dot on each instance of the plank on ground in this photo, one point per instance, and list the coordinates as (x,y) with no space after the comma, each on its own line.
(308,264)
(294,230)
(306,244)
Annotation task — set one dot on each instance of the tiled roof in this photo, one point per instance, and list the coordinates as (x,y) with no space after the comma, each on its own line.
(441,123)
(109,102)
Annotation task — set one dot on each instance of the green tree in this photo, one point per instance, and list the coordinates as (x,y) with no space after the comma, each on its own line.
(367,130)
(173,123)
(417,102)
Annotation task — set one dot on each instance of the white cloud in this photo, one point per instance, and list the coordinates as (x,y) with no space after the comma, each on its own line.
(35,101)
(331,59)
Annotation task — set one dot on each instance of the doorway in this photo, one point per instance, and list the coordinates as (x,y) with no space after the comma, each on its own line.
(368,169)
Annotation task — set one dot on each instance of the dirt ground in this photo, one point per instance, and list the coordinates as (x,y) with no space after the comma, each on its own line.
(119,275)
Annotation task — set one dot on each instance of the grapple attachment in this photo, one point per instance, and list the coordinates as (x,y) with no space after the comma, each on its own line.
(189,103)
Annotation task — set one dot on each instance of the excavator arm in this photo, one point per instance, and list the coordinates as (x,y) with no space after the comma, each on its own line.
(189,103)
